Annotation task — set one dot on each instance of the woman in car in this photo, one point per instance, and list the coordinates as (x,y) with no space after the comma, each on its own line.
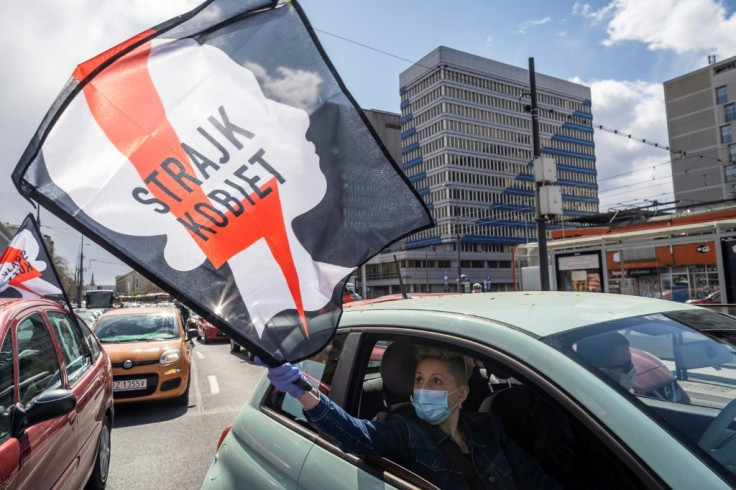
(448,448)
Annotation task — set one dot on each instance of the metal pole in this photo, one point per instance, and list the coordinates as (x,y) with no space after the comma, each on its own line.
(81,272)
(541,220)
(459,269)
(426,268)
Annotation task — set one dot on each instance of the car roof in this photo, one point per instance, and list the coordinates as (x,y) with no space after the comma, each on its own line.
(141,310)
(539,313)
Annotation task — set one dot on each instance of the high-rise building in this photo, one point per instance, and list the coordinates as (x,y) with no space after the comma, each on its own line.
(466,145)
(701,110)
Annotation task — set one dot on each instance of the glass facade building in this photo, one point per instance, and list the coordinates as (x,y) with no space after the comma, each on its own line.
(466,146)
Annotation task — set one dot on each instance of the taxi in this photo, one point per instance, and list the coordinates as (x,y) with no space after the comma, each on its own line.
(150,352)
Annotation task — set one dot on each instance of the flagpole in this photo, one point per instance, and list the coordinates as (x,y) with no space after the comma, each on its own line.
(53,268)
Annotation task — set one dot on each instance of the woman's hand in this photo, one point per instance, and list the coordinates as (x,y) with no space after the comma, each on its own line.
(283,377)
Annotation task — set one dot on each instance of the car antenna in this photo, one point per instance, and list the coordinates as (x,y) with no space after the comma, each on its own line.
(401,282)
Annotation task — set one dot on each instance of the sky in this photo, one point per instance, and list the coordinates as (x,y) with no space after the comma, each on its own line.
(622,49)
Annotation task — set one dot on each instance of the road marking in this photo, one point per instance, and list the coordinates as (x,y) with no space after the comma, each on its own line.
(197,391)
(214,387)
(199,354)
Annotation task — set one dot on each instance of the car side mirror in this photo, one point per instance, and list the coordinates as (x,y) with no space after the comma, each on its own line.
(46,406)
(191,333)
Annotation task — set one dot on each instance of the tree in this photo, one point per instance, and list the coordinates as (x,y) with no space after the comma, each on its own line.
(68,281)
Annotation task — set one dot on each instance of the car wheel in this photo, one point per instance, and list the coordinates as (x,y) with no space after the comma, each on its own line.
(98,478)
(234,347)
(183,399)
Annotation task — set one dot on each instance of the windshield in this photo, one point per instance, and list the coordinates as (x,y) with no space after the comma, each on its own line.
(87,316)
(681,365)
(128,328)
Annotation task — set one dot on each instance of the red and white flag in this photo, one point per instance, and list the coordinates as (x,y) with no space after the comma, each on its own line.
(26,270)
(220,155)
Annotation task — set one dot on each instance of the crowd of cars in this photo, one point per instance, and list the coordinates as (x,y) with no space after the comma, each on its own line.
(670,425)
(60,381)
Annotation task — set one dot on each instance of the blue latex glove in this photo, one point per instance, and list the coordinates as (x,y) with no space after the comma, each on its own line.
(283,377)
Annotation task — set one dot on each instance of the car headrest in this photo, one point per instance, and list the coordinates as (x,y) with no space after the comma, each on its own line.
(398,366)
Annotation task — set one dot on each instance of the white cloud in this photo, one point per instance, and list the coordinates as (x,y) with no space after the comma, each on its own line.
(585,10)
(630,171)
(527,24)
(682,26)
(297,88)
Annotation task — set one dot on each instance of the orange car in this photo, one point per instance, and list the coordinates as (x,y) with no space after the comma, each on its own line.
(150,352)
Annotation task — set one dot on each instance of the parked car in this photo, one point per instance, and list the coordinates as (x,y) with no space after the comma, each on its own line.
(56,404)
(712,298)
(150,352)
(88,316)
(207,332)
(546,375)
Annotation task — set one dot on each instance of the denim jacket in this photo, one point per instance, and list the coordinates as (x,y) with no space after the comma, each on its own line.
(414,444)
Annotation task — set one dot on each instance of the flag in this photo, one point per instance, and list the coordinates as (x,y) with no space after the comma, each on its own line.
(26,268)
(220,155)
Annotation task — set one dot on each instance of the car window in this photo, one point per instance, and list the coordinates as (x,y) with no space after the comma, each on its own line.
(563,446)
(681,365)
(74,349)
(38,366)
(137,327)
(319,371)
(92,342)
(7,386)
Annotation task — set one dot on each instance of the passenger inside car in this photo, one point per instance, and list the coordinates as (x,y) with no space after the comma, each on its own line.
(565,449)
(610,352)
(440,443)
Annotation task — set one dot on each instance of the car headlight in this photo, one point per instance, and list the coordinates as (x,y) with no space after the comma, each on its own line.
(170,356)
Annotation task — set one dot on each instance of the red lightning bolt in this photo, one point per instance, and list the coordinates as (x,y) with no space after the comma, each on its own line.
(124,102)
(25,271)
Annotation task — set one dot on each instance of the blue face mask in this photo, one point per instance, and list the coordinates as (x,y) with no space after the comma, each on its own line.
(431,405)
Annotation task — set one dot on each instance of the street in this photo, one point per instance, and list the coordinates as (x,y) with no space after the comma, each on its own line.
(162,446)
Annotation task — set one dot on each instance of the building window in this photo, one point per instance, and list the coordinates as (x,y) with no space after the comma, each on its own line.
(726,135)
(730,110)
(732,153)
(721,95)
(731,173)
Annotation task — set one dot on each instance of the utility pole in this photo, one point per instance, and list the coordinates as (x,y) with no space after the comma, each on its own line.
(541,219)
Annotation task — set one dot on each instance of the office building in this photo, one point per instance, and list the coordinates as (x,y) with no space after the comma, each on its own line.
(466,145)
(701,110)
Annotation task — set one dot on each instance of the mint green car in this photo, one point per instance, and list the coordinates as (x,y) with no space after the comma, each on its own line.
(661,416)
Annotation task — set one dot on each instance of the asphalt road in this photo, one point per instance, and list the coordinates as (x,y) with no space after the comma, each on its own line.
(162,446)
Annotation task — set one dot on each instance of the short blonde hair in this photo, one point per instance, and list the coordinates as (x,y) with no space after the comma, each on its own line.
(459,366)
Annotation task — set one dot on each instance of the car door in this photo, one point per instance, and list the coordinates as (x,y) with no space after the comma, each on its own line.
(9,446)
(326,466)
(48,448)
(86,384)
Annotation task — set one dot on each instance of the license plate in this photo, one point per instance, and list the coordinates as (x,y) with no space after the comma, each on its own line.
(129,384)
